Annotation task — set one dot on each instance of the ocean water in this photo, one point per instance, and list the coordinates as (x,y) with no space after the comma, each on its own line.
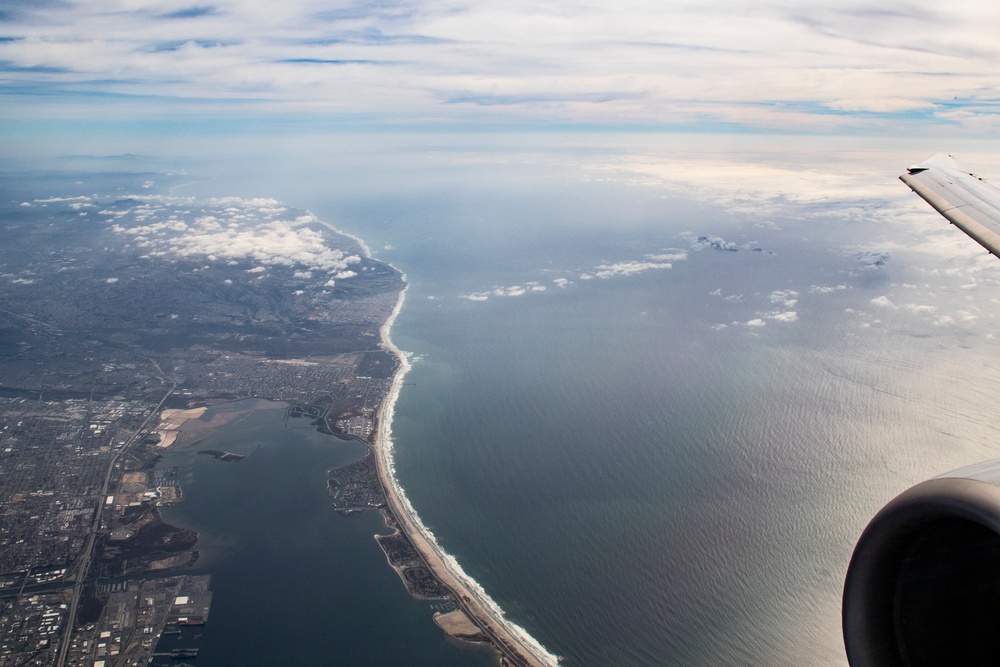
(641,465)
(671,466)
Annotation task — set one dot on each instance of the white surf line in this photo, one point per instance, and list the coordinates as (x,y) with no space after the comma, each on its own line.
(383,451)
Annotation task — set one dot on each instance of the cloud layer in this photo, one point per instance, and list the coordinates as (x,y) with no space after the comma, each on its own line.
(234,231)
(824,66)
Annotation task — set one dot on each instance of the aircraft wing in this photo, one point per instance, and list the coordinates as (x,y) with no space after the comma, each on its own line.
(922,587)
(963,198)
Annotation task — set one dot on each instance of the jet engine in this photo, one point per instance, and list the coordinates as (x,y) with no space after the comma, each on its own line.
(923,586)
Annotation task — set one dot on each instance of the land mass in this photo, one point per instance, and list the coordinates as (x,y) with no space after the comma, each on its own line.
(125,317)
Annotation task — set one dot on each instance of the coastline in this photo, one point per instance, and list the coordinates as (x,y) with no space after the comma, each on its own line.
(365,250)
(511,642)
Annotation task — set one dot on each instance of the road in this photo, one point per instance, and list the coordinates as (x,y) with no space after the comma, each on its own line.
(78,575)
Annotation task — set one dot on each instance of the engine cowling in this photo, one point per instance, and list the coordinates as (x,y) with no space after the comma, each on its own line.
(923,586)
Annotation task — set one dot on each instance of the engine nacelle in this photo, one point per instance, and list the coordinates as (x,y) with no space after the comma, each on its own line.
(923,587)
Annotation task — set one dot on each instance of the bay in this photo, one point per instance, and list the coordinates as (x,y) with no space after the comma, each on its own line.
(293,582)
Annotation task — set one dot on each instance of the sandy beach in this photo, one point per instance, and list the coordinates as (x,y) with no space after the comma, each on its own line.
(510,641)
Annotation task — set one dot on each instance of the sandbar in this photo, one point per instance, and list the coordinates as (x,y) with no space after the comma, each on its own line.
(174,418)
(171,421)
(189,423)
(166,438)
(481,612)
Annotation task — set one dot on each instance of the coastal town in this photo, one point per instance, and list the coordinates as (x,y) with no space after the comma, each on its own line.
(99,382)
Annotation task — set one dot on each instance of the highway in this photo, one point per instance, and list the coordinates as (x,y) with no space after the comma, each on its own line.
(78,575)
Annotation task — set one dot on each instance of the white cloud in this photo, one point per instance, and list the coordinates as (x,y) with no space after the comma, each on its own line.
(516,290)
(111,281)
(787,316)
(238,229)
(834,65)
(628,268)
(716,242)
(667,257)
(649,262)
(883,302)
(756,323)
(915,308)
(652,261)
(60,200)
(785,297)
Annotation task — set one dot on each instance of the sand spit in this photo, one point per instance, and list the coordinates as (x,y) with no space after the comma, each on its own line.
(478,609)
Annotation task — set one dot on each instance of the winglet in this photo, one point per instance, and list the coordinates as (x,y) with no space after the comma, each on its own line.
(940,161)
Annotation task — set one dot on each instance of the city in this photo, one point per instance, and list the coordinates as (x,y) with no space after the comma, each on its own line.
(106,346)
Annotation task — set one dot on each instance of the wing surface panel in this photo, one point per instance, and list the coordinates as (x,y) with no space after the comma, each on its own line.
(968,201)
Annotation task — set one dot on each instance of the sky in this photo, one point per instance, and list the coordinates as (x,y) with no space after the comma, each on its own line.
(786,66)
(815,105)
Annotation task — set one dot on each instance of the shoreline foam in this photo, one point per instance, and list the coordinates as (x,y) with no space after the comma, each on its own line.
(472,598)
